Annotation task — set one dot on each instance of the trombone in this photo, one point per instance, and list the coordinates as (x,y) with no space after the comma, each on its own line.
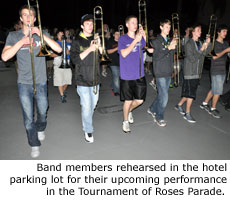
(31,51)
(143,20)
(178,55)
(212,34)
(121,30)
(98,16)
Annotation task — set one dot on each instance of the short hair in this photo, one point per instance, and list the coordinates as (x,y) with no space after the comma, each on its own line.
(27,7)
(130,17)
(165,21)
(194,26)
(222,27)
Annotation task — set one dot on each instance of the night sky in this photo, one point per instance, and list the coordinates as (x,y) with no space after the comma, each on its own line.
(68,12)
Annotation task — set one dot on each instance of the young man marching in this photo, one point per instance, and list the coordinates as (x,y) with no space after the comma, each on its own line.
(133,83)
(218,72)
(163,68)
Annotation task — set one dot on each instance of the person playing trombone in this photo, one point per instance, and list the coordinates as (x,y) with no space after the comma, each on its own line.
(195,53)
(132,79)
(18,43)
(82,55)
(218,72)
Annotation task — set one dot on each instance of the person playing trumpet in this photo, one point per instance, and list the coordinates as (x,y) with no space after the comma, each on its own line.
(18,43)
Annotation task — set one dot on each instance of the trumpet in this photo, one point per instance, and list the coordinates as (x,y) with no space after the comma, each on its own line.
(143,19)
(212,34)
(121,30)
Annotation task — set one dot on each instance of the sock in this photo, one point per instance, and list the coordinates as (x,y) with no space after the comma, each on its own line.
(204,103)
(212,108)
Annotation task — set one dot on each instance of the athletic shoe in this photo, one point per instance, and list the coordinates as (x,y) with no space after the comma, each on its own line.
(63,99)
(130,118)
(189,118)
(41,135)
(35,152)
(160,123)
(89,137)
(215,113)
(104,73)
(170,85)
(153,84)
(180,109)
(205,107)
(151,113)
(125,126)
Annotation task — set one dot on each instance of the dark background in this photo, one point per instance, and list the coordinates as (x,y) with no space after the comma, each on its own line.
(67,13)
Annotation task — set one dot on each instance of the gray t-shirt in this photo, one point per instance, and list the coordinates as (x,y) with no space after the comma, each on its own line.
(24,59)
(218,66)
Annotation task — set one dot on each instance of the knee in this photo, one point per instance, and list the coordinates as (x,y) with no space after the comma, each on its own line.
(139,102)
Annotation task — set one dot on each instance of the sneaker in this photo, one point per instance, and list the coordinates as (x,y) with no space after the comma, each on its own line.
(130,118)
(205,107)
(41,135)
(151,113)
(65,93)
(89,137)
(125,126)
(153,84)
(160,123)
(189,118)
(215,113)
(180,109)
(63,99)
(35,152)
(104,73)
(170,85)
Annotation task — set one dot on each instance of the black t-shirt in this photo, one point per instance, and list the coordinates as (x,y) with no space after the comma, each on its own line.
(111,44)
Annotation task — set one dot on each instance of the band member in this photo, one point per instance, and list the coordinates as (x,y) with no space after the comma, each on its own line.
(112,47)
(132,83)
(18,43)
(194,57)
(62,76)
(163,68)
(82,55)
(218,72)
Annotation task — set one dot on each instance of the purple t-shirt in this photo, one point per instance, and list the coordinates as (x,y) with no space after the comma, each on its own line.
(129,66)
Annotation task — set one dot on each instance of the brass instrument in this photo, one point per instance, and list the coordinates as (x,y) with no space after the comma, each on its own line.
(178,55)
(143,20)
(98,16)
(65,63)
(31,50)
(121,30)
(43,50)
(212,34)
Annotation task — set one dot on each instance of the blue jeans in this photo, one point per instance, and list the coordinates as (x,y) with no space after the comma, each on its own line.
(116,78)
(159,104)
(88,101)
(217,84)
(28,100)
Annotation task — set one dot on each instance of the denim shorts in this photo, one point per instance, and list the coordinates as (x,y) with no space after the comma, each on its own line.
(217,84)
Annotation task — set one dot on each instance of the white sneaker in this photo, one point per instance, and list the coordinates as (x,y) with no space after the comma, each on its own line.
(125,126)
(41,135)
(89,137)
(130,118)
(35,152)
